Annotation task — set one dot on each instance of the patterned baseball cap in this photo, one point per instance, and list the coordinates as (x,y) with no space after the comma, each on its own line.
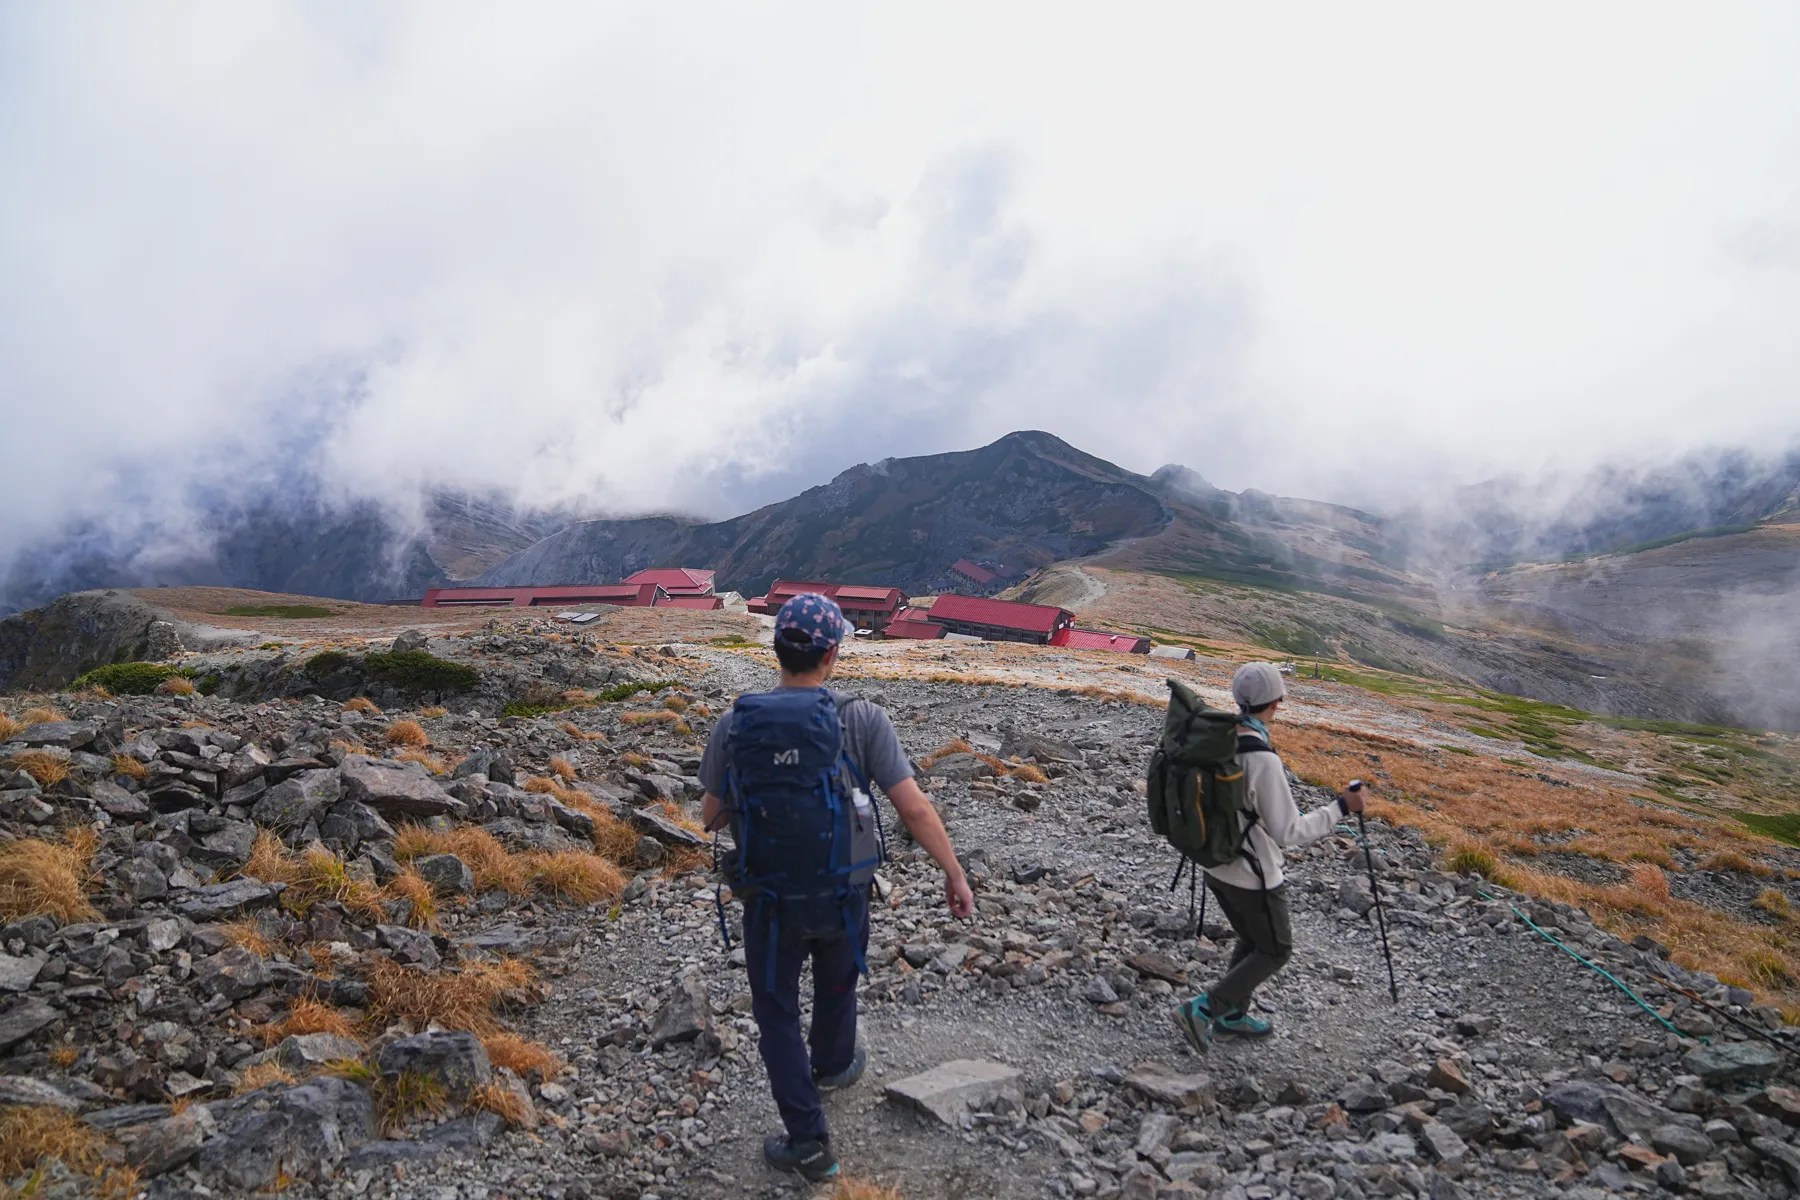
(810,618)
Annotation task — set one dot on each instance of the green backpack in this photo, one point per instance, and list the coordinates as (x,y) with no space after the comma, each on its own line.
(1197,789)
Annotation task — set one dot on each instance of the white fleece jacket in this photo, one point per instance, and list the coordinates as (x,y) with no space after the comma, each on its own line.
(1279,823)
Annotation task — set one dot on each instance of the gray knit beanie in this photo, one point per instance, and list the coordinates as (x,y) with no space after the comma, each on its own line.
(1257,684)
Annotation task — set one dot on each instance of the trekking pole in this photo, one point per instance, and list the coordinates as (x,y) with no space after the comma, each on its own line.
(1375,890)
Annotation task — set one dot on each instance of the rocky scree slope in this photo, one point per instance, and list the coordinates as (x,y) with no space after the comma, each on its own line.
(1506,1069)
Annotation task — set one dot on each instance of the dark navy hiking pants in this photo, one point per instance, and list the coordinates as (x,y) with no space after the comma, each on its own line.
(777,1010)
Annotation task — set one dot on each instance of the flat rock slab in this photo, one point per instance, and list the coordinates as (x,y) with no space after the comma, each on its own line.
(23,1089)
(17,974)
(1162,1083)
(951,1089)
(24,1019)
(1732,1062)
(217,901)
(394,787)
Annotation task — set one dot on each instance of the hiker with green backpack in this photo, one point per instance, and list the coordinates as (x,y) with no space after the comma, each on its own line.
(1218,792)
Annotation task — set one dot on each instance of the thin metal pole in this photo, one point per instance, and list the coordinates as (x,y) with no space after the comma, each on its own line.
(1380,919)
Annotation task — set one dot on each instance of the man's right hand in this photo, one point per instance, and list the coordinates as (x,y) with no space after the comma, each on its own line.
(958,896)
(1352,799)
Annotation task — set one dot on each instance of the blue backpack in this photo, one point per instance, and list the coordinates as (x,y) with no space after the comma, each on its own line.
(807,832)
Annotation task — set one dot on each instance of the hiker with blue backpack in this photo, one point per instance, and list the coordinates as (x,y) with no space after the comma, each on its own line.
(789,771)
(1218,792)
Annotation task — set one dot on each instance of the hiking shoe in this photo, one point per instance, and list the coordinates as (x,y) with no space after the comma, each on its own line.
(1242,1024)
(849,1075)
(814,1160)
(1194,1020)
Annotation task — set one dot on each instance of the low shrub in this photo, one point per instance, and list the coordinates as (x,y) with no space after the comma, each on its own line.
(326,662)
(127,679)
(622,691)
(417,671)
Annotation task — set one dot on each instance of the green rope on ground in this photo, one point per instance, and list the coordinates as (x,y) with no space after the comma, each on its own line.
(1594,967)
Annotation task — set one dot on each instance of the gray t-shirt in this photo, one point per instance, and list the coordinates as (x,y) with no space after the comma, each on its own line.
(872,743)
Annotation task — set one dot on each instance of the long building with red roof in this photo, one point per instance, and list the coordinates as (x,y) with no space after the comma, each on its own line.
(677,581)
(1000,620)
(1101,639)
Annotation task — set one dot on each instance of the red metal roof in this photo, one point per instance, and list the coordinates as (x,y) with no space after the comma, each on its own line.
(707,602)
(1007,614)
(1100,639)
(641,595)
(676,580)
(863,597)
(975,571)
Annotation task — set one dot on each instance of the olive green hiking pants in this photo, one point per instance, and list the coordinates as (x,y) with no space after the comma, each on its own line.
(1265,942)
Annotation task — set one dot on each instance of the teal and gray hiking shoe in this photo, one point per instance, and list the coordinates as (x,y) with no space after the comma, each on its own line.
(1242,1024)
(814,1160)
(1195,1021)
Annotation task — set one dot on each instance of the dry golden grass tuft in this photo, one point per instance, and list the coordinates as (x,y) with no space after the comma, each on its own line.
(40,716)
(41,765)
(408,1097)
(361,704)
(1727,860)
(9,728)
(1774,901)
(31,1134)
(576,731)
(1030,773)
(407,733)
(541,784)
(315,875)
(429,761)
(522,1057)
(64,1056)
(652,717)
(346,745)
(248,935)
(131,768)
(1649,879)
(563,769)
(463,999)
(578,875)
(410,886)
(263,1075)
(312,1015)
(494,866)
(48,877)
(633,759)
(435,710)
(676,704)
(863,1189)
(176,685)
(674,813)
(613,838)
(503,1102)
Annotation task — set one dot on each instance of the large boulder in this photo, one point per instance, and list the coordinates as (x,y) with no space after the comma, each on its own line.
(395,788)
(456,1062)
(234,973)
(950,1090)
(297,800)
(302,1132)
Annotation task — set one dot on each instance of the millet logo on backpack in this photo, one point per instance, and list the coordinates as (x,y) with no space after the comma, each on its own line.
(787,758)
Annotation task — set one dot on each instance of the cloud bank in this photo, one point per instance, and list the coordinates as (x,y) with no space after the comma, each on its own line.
(692,258)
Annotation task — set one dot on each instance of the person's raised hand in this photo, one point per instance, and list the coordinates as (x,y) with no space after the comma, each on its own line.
(1353,797)
(958,897)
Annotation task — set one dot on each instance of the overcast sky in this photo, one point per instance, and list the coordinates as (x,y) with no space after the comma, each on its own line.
(696,257)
